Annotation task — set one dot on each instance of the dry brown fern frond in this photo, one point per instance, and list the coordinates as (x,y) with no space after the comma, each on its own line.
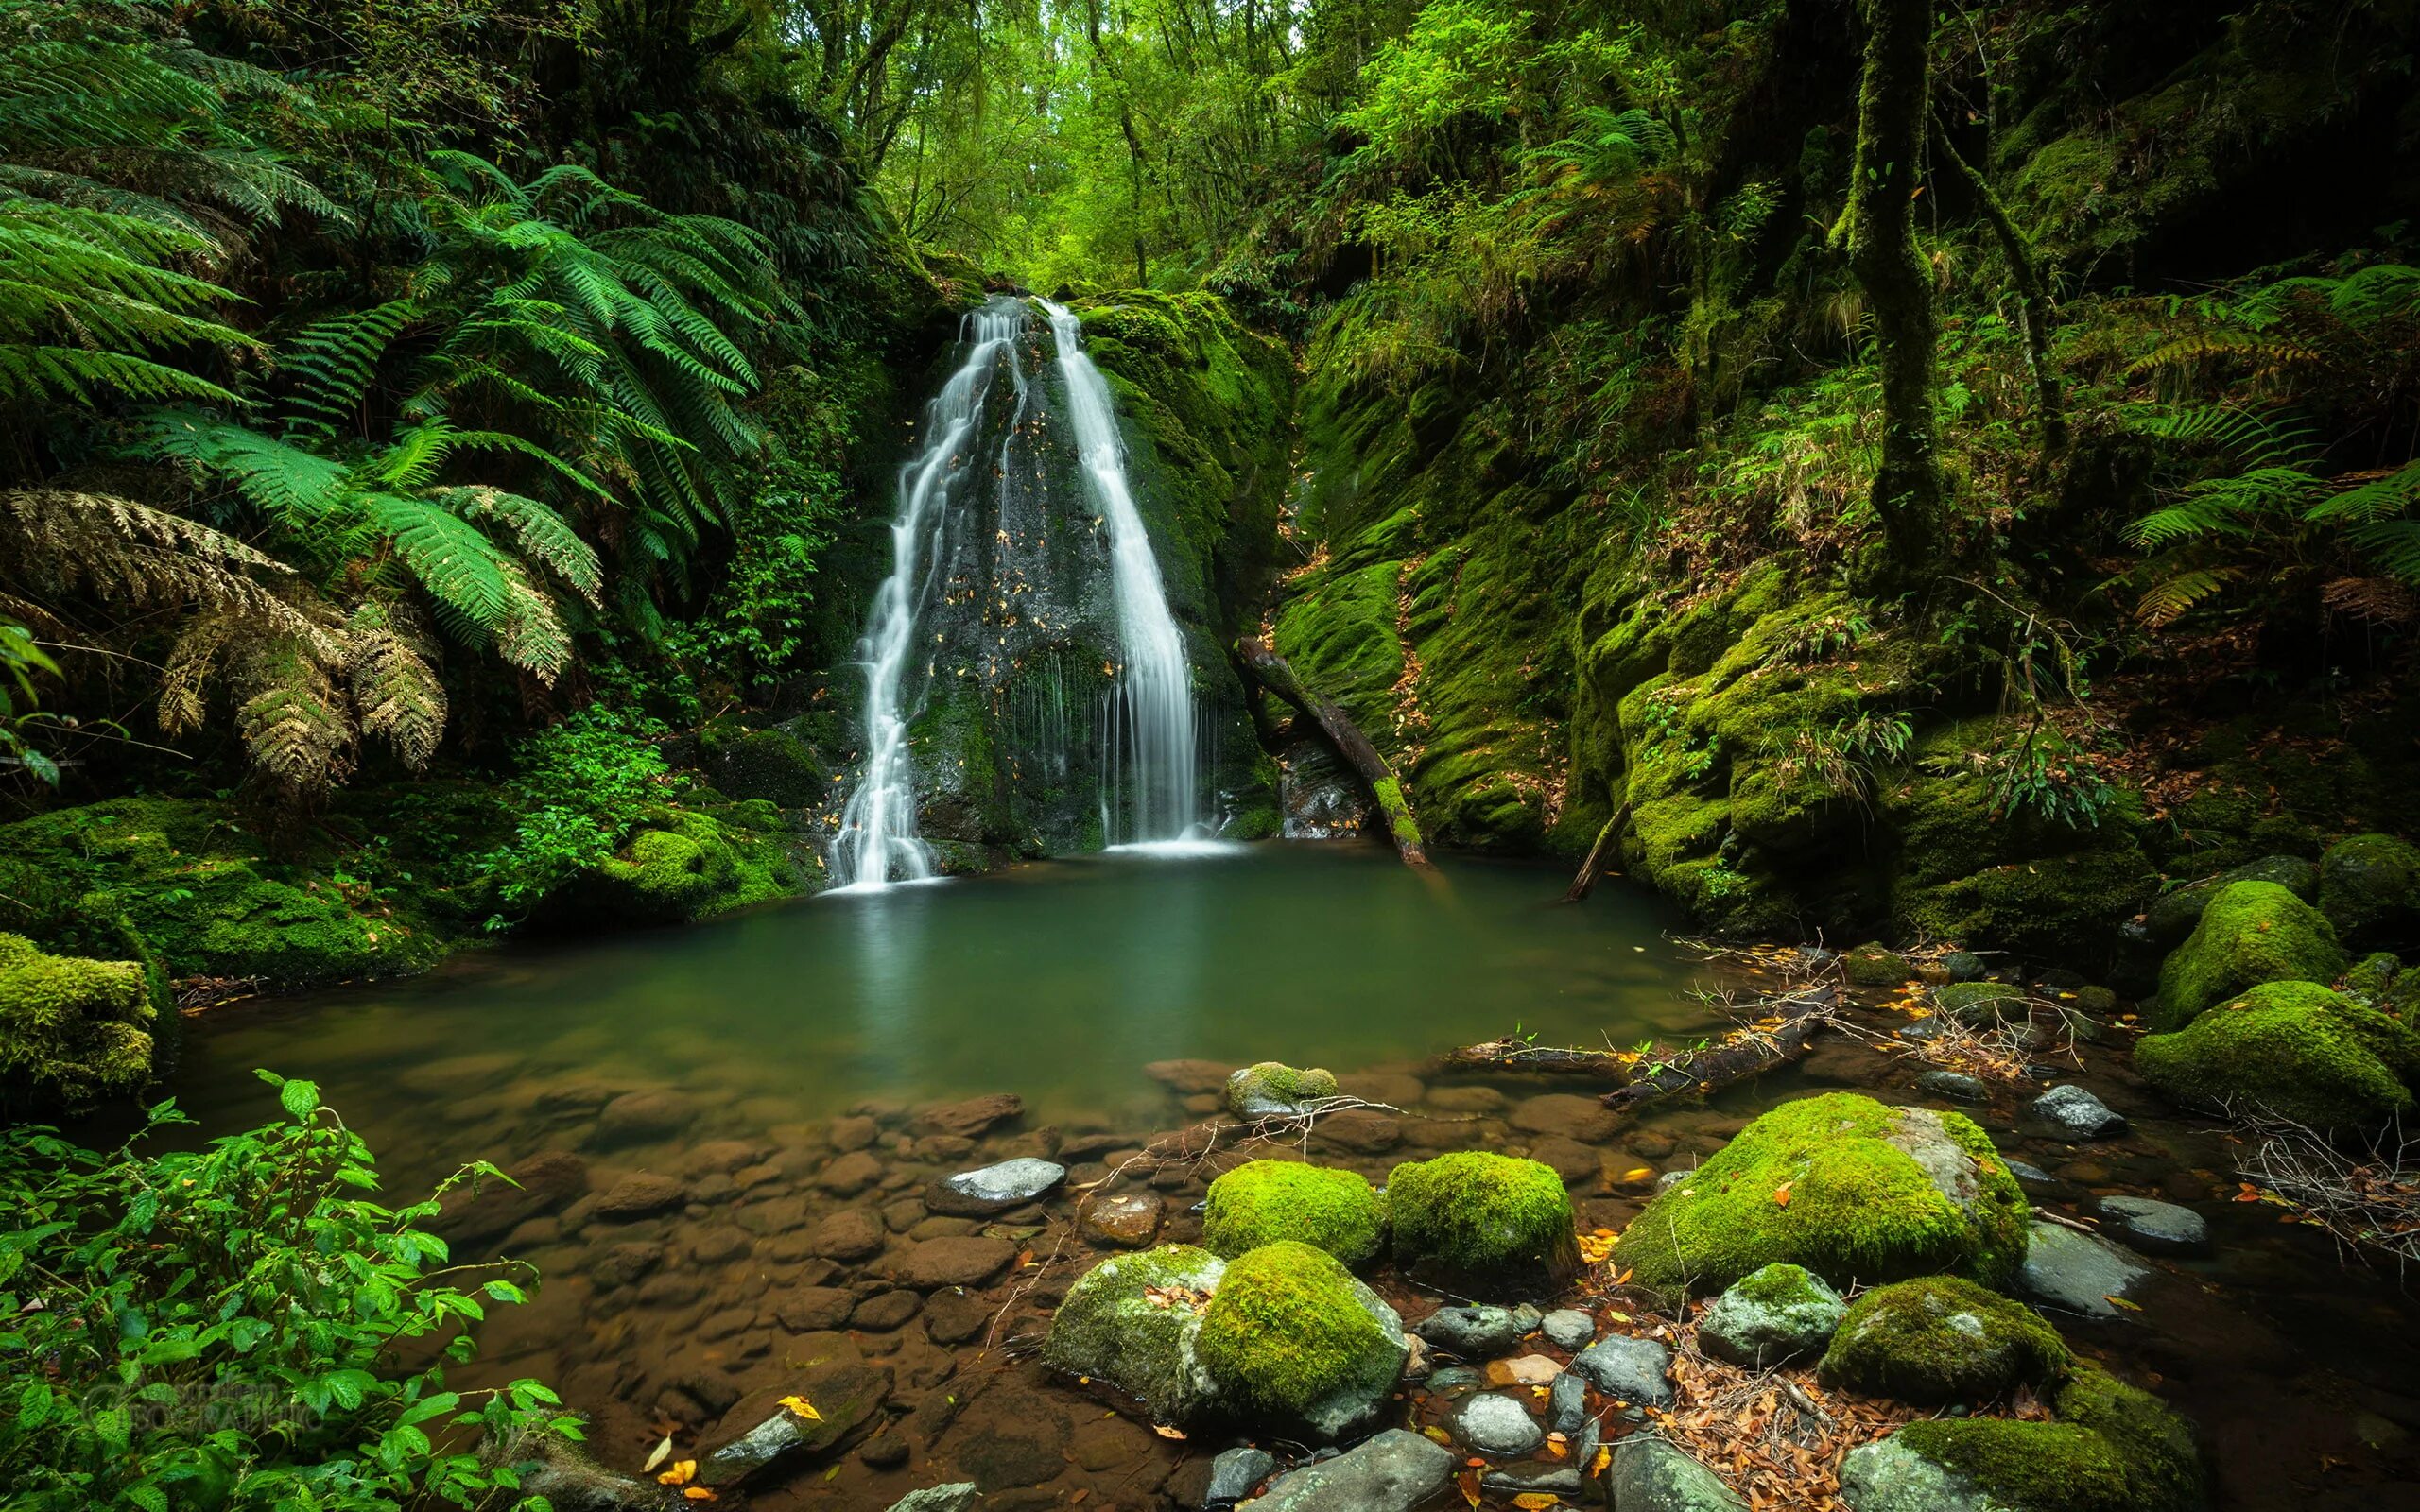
(2374,600)
(394,685)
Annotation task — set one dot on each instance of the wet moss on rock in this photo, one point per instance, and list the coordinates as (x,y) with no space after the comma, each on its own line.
(1490,1222)
(1262,1202)
(2296,1048)
(1943,1339)
(1133,1320)
(2251,933)
(2114,1449)
(2369,888)
(1291,1336)
(72,1029)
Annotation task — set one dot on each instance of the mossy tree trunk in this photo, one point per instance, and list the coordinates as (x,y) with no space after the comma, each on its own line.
(1892,108)
(1276,674)
(2050,398)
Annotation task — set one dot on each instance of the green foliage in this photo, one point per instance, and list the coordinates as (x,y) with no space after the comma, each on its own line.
(580,786)
(220,1329)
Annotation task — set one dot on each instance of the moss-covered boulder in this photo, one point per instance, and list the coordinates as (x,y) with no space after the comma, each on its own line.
(2295,1048)
(1273,1089)
(2372,979)
(1984,1005)
(1262,1202)
(1485,1224)
(1943,1339)
(1293,1344)
(1855,1191)
(2113,1448)
(2172,915)
(1770,1317)
(1132,1321)
(687,864)
(2251,933)
(2369,888)
(71,1029)
(1874,963)
(771,765)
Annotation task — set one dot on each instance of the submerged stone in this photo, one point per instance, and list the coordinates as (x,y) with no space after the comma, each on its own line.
(2072,1113)
(2079,1272)
(2157,1228)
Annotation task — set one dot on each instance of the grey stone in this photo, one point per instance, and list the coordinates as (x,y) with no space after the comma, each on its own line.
(2079,1272)
(1472,1332)
(1454,1376)
(1777,1315)
(1234,1472)
(1567,1328)
(2073,1113)
(1525,1480)
(1887,1476)
(956,1497)
(1567,1402)
(1954,1086)
(1395,1472)
(1628,1369)
(2157,1228)
(2025,1172)
(1963,965)
(572,1482)
(993,1188)
(1494,1423)
(1674,1177)
(1652,1474)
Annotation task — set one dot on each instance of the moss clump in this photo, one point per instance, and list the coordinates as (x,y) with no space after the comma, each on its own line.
(2369,888)
(1851,1190)
(2114,1450)
(1132,1321)
(1273,1086)
(1262,1202)
(2295,1048)
(1488,1222)
(1290,1335)
(1874,963)
(71,1029)
(2372,980)
(2251,933)
(1983,1002)
(2172,915)
(689,865)
(1941,1339)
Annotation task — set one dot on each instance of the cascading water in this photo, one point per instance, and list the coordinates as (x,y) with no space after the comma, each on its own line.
(879,842)
(1151,715)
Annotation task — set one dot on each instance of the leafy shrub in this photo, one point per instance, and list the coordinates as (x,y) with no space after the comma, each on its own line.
(582,785)
(218,1330)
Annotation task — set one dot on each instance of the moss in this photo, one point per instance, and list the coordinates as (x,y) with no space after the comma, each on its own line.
(71,1029)
(2163,1464)
(689,865)
(1264,1201)
(1851,1190)
(1873,965)
(2296,1048)
(2172,915)
(1941,1339)
(769,764)
(1980,1003)
(1488,1222)
(1132,1321)
(2369,888)
(2370,979)
(1273,1086)
(2252,932)
(2114,1450)
(1287,1332)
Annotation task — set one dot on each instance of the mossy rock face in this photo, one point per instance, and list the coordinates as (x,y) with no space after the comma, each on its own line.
(2369,888)
(2372,980)
(1941,1339)
(2172,915)
(71,1029)
(1294,1342)
(1487,1224)
(1853,1190)
(2251,933)
(1132,1321)
(769,764)
(1262,1202)
(2296,1048)
(1983,1002)
(1272,1087)
(1874,963)
(2114,1449)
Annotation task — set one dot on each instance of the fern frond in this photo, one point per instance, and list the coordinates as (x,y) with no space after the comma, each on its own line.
(544,536)
(394,688)
(331,364)
(2167,601)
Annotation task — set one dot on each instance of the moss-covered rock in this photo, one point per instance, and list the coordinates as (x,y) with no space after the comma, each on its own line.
(71,1029)
(1269,1087)
(1770,1317)
(2114,1449)
(1874,963)
(1132,1321)
(1488,1224)
(2369,888)
(2171,916)
(1262,1202)
(1294,1342)
(686,863)
(2252,932)
(773,766)
(1941,1339)
(1983,1002)
(2372,980)
(1851,1190)
(2295,1048)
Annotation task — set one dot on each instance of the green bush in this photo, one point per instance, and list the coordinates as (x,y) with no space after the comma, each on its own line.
(582,785)
(216,1331)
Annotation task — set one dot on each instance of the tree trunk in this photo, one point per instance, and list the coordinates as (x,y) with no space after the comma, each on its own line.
(2048,397)
(1891,111)
(1272,671)
(1598,855)
(1749,1053)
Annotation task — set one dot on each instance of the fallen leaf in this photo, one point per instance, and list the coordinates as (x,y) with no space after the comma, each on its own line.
(1781,1195)
(1467,1482)
(1166,1432)
(2119,1301)
(804,1408)
(682,1473)
(663,1451)
(697,1493)
(1534,1501)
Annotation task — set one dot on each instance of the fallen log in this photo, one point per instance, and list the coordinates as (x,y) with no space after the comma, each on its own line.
(1274,672)
(1748,1052)
(1598,855)
(1630,1067)
(1519,1055)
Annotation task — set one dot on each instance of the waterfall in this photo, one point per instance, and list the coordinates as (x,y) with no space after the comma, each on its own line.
(878,842)
(1151,727)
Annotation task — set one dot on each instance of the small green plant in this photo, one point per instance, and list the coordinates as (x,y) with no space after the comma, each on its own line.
(2048,776)
(218,1329)
(582,786)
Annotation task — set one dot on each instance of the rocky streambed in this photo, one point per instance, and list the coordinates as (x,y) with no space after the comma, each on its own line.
(1675,1309)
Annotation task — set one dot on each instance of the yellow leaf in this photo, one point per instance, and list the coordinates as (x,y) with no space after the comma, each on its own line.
(2119,1301)
(1537,1501)
(1166,1432)
(663,1452)
(697,1493)
(1604,1457)
(804,1408)
(682,1473)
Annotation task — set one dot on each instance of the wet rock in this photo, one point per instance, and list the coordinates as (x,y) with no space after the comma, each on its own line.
(1455,1378)
(1567,1402)
(884,1451)
(852,1133)
(1577,1164)
(1963,965)
(849,1174)
(1471,1333)
(720,1158)
(1234,1475)
(972,1118)
(1627,1369)
(545,1182)
(2073,1113)
(1273,1089)
(1568,1114)
(621,1264)
(1494,1423)
(1009,1439)
(1652,1474)
(815,1309)
(956,1497)
(994,1189)
(1465,1099)
(760,1433)
(953,1315)
(2157,1228)
(945,1228)
(636,1117)
(2025,1172)
(1568,1328)
(2078,1272)
(1525,1480)
(1941,1339)
(1358,1131)
(1394,1472)
(1123,1221)
(1954,1086)
(1874,963)
(849,1234)
(571,1482)
(885,1311)
(1888,1476)
(1777,1315)
(671,1288)
(1188,1078)
(938,1262)
(904,1214)
(939,1149)
(1396,1089)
